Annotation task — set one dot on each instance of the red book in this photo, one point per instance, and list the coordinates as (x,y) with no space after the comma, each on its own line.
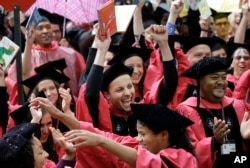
(107,19)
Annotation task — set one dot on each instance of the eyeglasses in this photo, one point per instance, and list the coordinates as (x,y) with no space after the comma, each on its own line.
(239,57)
(221,23)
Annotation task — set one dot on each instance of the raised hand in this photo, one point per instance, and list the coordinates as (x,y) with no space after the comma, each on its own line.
(65,95)
(158,33)
(36,112)
(220,130)
(68,148)
(40,102)
(30,34)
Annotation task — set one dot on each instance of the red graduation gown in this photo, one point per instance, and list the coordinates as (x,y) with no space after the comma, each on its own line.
(196,131)
(82,111)
(178,157)
(154,70)
(240,91)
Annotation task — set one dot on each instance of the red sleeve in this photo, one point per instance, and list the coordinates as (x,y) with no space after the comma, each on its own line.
(82,112)
(177,158)
(242,86)
(154,70)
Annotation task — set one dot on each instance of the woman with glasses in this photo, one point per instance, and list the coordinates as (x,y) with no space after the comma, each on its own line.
(240,55)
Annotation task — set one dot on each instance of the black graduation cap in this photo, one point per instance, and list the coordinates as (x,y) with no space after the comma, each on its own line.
(22,114)
(13,142)
(52,17)
(220,43)
(207,65)
(48,73)
(115,70)
(231,46)
(59,64)
(190,42)
(161,11)
(126,51)
(217,15)
(159,116)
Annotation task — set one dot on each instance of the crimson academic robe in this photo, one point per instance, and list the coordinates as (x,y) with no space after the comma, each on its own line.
(74,60)
(201,133)
(154,69)
(176,157)
(83,114)
(241,89)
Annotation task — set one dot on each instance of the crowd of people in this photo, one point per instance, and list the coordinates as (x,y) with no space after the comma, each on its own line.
(169,92)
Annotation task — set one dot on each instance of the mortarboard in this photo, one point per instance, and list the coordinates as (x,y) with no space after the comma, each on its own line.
(190,42)
(207,65)
(13,141)
(160,11)
(231,46)
(217,15)
(59,64)
(21,114)
(159,116)
(220,43)
(115,70)
(125,52)
(48,73)
(52,17)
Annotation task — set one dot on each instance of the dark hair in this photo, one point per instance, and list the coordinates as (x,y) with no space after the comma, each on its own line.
(24,160)
(178,138)
(49,145)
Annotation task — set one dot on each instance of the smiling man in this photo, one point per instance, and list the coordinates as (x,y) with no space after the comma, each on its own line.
(40,48)
(218,132)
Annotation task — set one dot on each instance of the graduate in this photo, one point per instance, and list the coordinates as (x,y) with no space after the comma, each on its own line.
(219,132)
(194,48)
(161,137)
(19,148)
(117,93)
(40,48)
(240,54)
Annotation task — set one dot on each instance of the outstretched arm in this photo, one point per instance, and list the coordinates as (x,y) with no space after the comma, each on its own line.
(85,138)
(69,120)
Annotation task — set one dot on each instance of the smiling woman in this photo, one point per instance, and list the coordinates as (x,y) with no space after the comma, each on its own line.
(19,149)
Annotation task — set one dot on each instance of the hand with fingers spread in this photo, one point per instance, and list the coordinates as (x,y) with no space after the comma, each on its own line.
(68,148)
(83,138)
(245,127)
(220,130)
(40,102)
(36,113)
(66,96)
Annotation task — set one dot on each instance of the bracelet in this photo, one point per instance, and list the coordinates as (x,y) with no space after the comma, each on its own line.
(204,30)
